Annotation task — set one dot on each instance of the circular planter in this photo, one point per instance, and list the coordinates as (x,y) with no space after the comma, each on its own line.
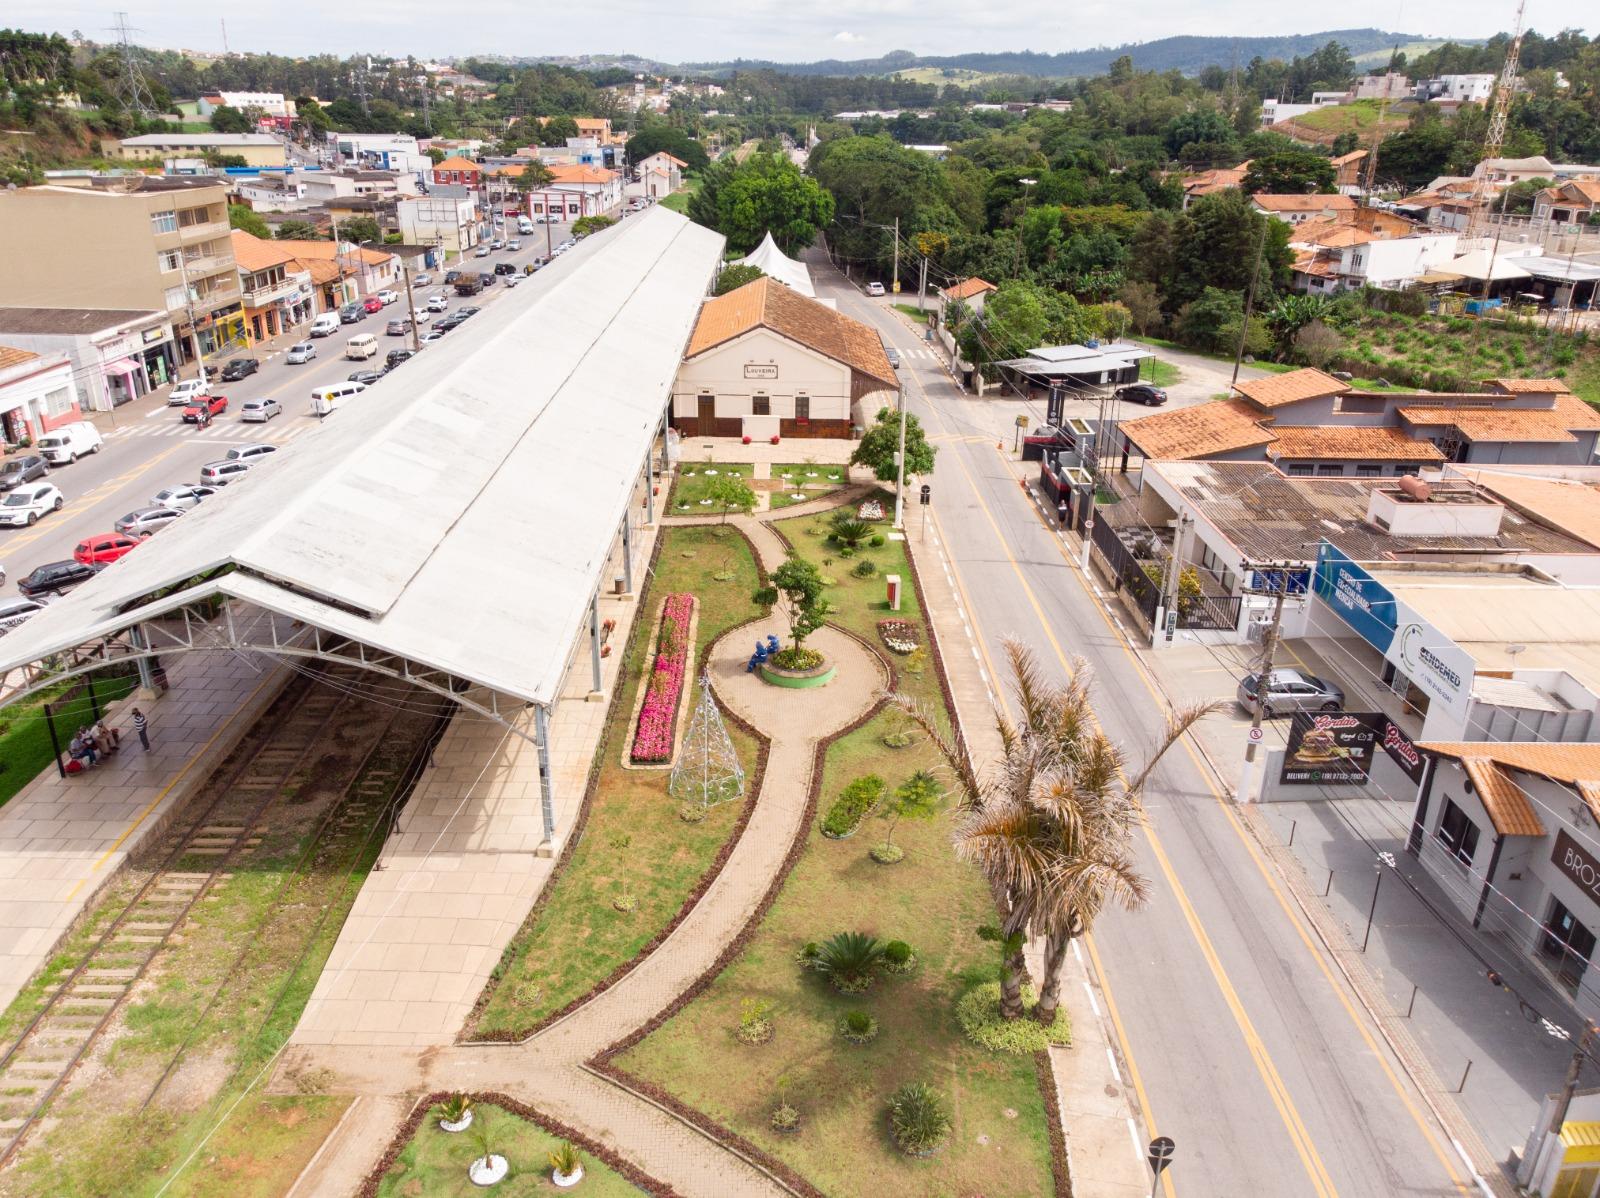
(461,1125)
(488,1172)
(565,1181)
(798,679)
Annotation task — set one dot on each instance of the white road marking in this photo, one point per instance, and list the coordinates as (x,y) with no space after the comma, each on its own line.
(1115,1072)
(1095,1006)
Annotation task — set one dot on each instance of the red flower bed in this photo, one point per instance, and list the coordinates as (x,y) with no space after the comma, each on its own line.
(658,714)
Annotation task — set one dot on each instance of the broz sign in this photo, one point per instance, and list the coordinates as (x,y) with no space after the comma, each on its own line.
(1579,864)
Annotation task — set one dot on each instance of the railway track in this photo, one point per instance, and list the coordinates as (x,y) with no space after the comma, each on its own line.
(224,828)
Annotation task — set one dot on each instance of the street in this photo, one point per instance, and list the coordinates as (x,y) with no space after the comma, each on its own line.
(1240,1039)
(148,447)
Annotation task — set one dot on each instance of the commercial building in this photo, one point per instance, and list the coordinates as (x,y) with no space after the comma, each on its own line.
(575,191)
(381,151)
(765,361)
(257,149)
(462,172)
(449,223)
(137,243)
(268,103)
(278,294)
(115,354)
(37,394)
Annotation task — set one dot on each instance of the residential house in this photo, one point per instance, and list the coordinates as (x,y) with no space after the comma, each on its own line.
(1347,171)
(257,149)
(449,223)
(460,171)
(1502,172)
(144,243)
(1457,89)
(1389,86)
(116,354)
(272,193)
(1309,423)
(1369,248)
(661,174)
(766,361)
(278,295)
(37,394)
(325,187)
(1297,208)
(341,272)
(1210,182)
(973,292)
(1575,202)
(575,191)
(1446,203)
(598,128)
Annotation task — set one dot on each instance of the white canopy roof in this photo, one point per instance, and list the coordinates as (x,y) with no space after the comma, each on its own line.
(459,513)
(1481,264)
(770,260)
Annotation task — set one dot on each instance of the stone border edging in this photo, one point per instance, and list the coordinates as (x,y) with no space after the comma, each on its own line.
(419,1114)
(690,679)
(1060,1158)
(754,778)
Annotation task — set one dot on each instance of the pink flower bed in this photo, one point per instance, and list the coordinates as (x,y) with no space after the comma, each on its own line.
(658,714)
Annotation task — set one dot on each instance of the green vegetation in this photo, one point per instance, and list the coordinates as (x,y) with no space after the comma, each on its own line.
(1158,373)
(696,480)
(434,1162)
(1363,117)
(25,736)
(920,315)
(795,478)
(634,840)
(853,805)
(679,200)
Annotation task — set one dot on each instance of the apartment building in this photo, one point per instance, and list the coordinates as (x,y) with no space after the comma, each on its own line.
(140,243)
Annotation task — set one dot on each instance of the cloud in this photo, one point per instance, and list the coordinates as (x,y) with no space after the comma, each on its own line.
(844,35)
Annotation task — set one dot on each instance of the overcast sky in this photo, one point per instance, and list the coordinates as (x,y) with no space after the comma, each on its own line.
(708,30)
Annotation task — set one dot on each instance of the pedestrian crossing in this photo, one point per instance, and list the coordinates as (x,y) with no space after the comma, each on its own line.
(276,432)
(922,353)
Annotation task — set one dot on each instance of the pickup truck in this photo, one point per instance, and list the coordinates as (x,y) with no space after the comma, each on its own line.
(469,285)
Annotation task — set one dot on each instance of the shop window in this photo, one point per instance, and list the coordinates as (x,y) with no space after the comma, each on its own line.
(57,402)
(760,405)
(1566,945)
(1458,833)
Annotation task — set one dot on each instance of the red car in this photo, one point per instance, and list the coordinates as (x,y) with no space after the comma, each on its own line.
(103,547)
(372,304)
(210,405)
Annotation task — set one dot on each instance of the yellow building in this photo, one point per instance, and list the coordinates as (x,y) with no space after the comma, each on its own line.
(257,149)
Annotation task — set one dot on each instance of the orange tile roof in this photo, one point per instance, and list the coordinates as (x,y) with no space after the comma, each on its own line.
(321,270)
(1574,763)
(765,303)
(1275,390)
(1303,203)
(1521,425)
(1507,804)
(10,355)
(1523,386)
(967,288)
(579,173)
(329,250)
(1352,156)
(1221,426)
(254,253)
(457,164)
(1350,441)
(1572,507)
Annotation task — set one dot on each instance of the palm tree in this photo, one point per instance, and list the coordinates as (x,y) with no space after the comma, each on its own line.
(1051,825)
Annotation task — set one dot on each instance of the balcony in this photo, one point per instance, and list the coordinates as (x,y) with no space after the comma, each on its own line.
(202,265)
(272,293)
(189,234)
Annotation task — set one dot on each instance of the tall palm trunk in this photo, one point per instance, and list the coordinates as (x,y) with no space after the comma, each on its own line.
(1055,958)
(1014,966)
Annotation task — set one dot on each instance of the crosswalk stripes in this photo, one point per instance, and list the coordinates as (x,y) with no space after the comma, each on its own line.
(272,431)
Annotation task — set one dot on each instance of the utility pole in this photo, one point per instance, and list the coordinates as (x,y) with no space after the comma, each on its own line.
(1269,650)
(896,288)
(138,98)
(1250,297)
(922,285)
(416,341)
(900,468)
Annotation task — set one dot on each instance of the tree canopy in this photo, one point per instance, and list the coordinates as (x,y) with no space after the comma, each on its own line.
(880,443)
(764,193)
(247,220)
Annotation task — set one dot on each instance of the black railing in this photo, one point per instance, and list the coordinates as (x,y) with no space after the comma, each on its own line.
(1127,571)
(1218,613)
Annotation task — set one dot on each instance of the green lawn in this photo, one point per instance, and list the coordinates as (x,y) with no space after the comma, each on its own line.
(693,482)
(1158,373)
(434,1163)
(577,937)
(999,1143)
(796,479)
(916,314)
(25,735)
(678,201)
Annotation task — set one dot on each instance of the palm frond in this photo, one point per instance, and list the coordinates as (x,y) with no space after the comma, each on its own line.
(1035,694)
(951,745)
(1179,721)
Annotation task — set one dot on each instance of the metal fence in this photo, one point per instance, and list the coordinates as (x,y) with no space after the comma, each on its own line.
(1126,571)
(1218,613)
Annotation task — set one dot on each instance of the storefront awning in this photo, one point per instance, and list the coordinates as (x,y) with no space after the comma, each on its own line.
(123,366)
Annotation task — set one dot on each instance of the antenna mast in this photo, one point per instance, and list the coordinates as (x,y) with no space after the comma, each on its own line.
(1495,138)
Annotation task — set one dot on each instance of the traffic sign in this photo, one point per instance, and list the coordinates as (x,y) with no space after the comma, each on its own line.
(926,495)
(1257,734)
(1161,1150)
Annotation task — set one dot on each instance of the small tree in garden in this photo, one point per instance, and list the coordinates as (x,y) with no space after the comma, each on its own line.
(881,442)
(796,587)
(916,798)
(732,494)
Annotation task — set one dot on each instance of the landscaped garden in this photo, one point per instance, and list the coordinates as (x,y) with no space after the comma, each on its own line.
(801,482)
(832,1041)
(693,489)
(25,747)
(435,1162)
(635,861)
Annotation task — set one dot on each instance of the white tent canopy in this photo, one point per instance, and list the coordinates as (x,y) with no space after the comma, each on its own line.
(772,261)
(1482,264)
(459,513)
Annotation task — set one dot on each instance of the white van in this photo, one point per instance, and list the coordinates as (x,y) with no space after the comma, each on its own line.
(325,399)
(524,225)
(325,325)
(360,348)
(69,442)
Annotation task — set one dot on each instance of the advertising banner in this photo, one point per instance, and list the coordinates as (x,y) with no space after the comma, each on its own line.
(1401,751)
(1331,748)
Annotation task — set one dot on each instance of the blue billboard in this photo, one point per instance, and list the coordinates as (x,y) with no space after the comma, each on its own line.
(1362,602)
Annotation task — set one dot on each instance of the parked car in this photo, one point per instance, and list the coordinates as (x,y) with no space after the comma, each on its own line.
(438,303)
(56,578)
(497,244)
(24,469)
(372,304)
(183,392)
(421,280)
(352,312)
(67,443)
(183,496)
(304,351)
(430,338)
(239,368)
(259,411)
(14,612)
(398,328)
(24,504)
(1289,691)
(448,323)
(325,325)
(249,453)
(104,547)
(220,474)
(208,405)
(482,251)
(397,356)
(893,355)
(874,289)
(365,377)
(513,245)
(1151,397)
(146,521)
(388,296)
(469,311)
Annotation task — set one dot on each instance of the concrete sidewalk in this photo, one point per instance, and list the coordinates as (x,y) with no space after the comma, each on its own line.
(62,839)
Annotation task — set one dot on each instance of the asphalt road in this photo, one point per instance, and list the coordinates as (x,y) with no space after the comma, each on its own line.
(148,447)
(1241,1040)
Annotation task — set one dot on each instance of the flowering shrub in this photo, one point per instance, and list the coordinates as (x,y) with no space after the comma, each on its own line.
(658,714)
(899,635)
(870,510)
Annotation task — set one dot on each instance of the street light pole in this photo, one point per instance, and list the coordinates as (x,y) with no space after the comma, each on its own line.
(900,468)
(1269,650)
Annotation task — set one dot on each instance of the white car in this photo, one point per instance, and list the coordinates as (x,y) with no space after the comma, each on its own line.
(437,303)
(17,611)
(248,453)
(183,497)
(421,280)
(185,391)
(25,504)
(513,280)
(387,297)
(430,338)
(874,289)
(259,411)
(513,244)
